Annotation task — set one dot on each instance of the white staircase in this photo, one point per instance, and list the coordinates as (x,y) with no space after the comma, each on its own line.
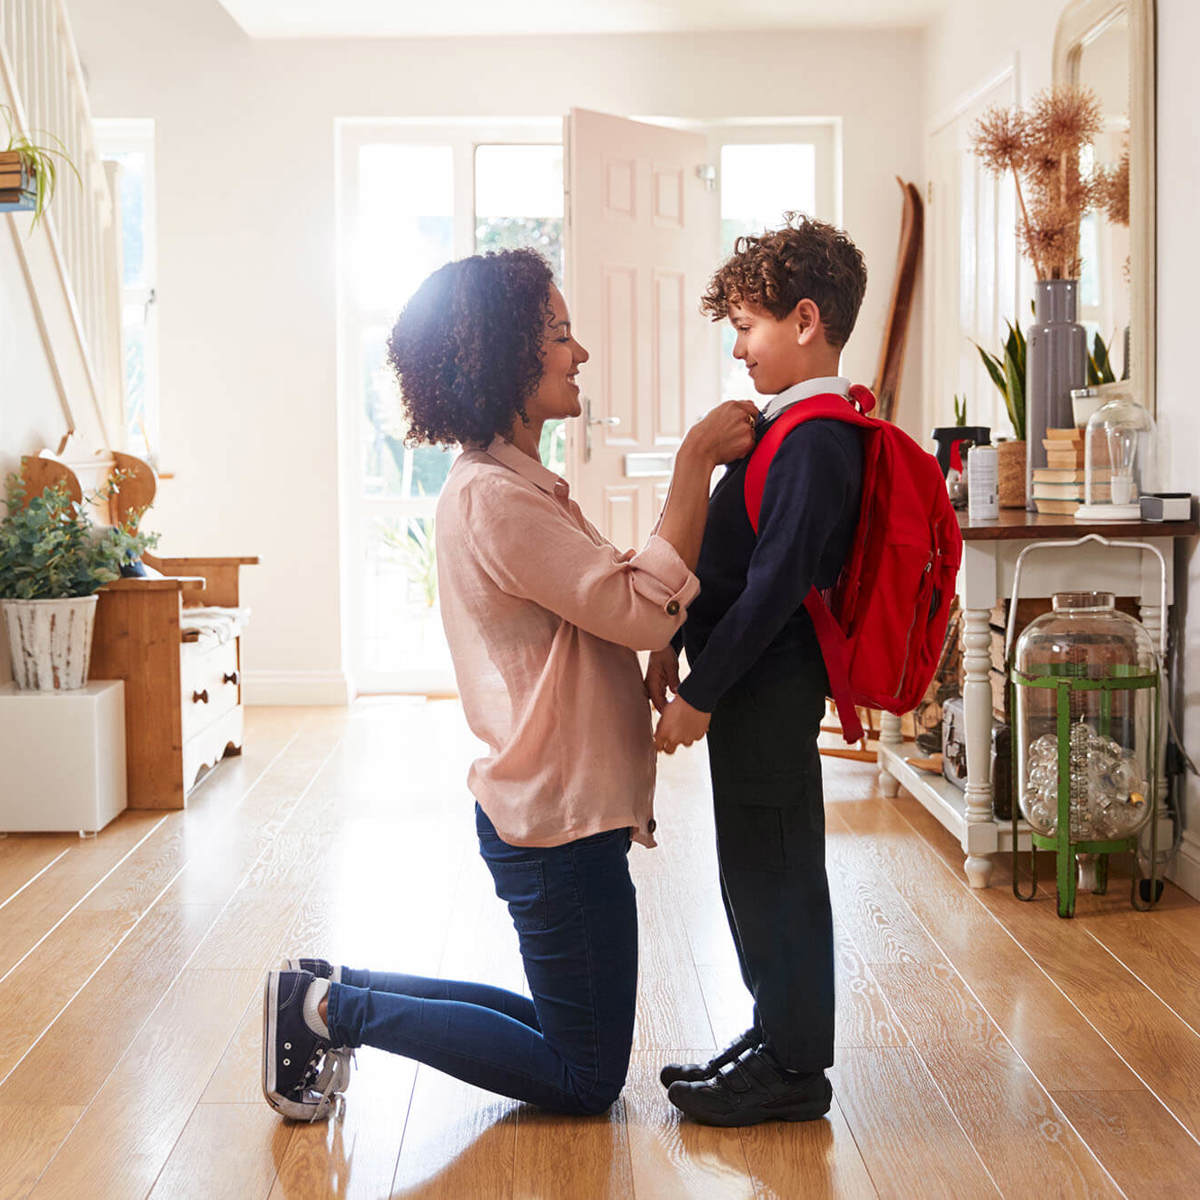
(68,266)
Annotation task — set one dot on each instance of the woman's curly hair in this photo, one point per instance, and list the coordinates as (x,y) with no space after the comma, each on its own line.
(467,349)
(805,260)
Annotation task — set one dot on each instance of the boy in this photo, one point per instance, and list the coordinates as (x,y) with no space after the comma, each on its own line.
(757,684)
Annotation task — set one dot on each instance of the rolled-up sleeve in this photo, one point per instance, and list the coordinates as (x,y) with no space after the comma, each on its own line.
(532,548)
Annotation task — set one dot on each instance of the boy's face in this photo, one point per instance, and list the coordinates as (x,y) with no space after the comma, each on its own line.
(774,351)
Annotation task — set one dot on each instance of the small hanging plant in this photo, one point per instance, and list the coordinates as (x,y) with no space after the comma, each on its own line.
(40,161)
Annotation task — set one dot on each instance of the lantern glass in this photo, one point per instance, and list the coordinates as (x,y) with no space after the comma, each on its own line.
(1086,699)
(1118,461)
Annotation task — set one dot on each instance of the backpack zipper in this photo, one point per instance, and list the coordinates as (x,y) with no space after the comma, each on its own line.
(908,637)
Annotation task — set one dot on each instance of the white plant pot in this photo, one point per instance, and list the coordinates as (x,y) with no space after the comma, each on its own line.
(51,642)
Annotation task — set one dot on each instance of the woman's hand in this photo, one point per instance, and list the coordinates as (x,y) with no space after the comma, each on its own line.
(680,725)
(662,672)
(726,433)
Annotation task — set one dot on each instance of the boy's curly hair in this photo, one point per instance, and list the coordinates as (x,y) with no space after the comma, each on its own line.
(467,349)
(805,260)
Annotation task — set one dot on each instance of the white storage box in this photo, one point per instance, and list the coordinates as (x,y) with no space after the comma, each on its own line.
(62,758)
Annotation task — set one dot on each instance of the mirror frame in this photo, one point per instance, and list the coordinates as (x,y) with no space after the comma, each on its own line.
(1078,19)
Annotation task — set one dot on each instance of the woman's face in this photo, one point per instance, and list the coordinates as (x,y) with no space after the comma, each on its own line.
(557,393)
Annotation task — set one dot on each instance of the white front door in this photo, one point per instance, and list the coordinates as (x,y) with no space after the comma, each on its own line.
(641,239)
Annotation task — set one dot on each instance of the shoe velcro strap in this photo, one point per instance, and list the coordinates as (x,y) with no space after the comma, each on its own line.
(732,1052)
(762,1072)
(736,1079)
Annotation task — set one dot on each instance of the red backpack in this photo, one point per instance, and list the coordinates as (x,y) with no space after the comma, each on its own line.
(882,627)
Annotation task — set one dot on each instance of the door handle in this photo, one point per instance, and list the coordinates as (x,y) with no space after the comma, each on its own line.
(589,421)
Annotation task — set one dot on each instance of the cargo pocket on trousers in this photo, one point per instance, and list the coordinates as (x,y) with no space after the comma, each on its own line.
(750,837)
(522,886)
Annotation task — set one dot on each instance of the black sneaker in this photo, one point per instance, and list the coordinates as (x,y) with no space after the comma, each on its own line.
(295,1081)
(752,1090)
(699,1072)
(322,968)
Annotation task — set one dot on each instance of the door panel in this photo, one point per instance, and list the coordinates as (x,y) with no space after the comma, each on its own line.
(972,263)
(641,239)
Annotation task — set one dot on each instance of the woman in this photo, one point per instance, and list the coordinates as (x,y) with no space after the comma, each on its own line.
(543,618)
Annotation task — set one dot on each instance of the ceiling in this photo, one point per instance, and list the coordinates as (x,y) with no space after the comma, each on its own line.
(423,18)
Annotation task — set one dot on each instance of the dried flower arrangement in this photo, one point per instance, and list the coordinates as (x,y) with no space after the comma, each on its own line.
(1043,148)
(1112,191)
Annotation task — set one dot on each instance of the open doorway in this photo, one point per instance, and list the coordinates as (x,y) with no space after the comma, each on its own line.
(414,196)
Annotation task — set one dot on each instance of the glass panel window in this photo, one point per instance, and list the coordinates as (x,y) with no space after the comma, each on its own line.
(405,221)
(519,203)
(132,205)
(130,144)
(519,200)
(759,183)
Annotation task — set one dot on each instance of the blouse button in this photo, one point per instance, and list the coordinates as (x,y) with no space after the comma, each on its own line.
(651,825)
(672,607)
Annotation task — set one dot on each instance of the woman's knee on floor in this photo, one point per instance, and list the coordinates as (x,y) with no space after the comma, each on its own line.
(590,1096)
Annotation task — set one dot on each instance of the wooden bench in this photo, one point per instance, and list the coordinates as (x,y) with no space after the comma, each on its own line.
(183,691)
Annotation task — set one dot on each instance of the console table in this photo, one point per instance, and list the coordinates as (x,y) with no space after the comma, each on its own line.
(990,550)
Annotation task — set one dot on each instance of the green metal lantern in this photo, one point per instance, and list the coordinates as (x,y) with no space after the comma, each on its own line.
(1087,741)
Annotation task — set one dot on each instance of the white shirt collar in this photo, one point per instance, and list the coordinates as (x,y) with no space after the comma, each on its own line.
(803,391)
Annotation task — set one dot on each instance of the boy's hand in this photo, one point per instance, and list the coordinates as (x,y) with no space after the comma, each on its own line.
(680,725)
(662,672)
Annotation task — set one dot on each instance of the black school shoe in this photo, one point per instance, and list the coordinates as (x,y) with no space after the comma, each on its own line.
(699,1072)
(295,1080)
(753,1090)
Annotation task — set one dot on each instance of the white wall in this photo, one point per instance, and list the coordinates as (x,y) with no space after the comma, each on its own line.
(246,238)
(969,44)
(1178,407)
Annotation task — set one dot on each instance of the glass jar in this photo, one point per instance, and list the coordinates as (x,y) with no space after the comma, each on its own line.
(1119,463)
(1086,720)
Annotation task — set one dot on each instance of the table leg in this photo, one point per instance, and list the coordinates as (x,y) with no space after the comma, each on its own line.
(889,735)
(980,839)
(1152,617)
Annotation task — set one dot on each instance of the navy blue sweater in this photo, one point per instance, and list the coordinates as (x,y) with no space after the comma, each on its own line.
(751,601)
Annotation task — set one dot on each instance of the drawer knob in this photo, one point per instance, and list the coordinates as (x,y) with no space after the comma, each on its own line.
(233,678)
(200,697)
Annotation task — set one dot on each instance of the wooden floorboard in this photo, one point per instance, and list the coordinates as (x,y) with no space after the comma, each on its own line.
(984,1047)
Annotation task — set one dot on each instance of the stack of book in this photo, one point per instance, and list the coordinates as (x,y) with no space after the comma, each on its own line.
(16,186)
(1058,486)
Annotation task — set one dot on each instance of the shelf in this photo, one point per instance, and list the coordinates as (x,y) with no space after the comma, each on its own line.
(939,796)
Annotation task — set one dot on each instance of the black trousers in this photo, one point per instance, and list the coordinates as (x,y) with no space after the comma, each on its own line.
(770,821)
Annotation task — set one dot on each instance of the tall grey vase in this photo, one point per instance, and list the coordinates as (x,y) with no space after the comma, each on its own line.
(1056,362)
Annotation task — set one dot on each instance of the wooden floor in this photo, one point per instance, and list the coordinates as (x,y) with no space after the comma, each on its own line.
(984,1045)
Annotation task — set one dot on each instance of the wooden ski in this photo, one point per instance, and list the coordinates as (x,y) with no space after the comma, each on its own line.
(891,355)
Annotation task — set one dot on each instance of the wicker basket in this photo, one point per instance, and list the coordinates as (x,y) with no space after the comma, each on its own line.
(1010,461)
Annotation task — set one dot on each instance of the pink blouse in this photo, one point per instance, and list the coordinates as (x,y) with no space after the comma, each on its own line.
(543,617)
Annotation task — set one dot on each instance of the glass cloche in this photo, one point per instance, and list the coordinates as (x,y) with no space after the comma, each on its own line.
(1086,701)
(1118,461)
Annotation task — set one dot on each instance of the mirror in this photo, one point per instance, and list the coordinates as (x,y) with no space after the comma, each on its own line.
(1108,46)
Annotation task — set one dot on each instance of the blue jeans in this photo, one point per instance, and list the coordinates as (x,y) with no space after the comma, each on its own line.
(567,1049)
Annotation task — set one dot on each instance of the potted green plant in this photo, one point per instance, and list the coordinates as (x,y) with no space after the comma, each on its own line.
(1007,372)
(52,563)
(29,169)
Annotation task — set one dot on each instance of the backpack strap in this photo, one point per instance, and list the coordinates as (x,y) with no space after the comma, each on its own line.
(832,640)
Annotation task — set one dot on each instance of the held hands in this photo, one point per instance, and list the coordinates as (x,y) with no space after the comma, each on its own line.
(662,672)
(725,434)
(680,725)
